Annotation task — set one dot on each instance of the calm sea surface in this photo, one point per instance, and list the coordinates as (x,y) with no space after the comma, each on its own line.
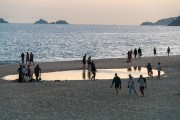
(71,42)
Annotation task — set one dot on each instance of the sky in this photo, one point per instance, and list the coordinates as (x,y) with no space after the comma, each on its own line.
(106,12)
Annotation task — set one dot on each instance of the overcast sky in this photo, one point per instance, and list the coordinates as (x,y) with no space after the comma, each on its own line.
(120,12)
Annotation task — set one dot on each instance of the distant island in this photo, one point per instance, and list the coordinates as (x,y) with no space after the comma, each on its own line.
(41,21)
(161,22)
(2,20)
(175,22)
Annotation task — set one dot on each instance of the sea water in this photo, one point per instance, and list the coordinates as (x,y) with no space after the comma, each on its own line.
(70,42)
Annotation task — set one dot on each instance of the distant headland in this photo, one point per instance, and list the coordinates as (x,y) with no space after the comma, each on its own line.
(41,21)
(172,21)
(2,20)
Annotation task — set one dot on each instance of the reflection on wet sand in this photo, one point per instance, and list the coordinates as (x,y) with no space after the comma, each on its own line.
(86,74)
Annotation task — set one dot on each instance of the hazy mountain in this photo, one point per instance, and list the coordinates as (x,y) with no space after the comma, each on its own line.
(147,23)
(2,20)
(41,21)
(175,22)
(61,22)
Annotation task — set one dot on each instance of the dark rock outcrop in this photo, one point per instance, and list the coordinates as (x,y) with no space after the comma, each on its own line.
(61,22)
(175,22)
(41,21)
(2,20)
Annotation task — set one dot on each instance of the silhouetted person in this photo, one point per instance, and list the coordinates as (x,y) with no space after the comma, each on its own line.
(84,61)
(142,84)
(37,72)
(20,74)
(27,57)
(89,62)
(135,52)
(168,51)
(22,58)
(31,58)
(93,70)
(149,69)
(139,52)
(155,54)
(117,82)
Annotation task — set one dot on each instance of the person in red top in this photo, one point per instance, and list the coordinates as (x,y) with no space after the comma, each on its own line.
(31,58)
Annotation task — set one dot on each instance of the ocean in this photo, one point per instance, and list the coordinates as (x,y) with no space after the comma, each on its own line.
(54,42)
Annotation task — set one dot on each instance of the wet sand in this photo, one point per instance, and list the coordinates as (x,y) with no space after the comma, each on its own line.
(92,99)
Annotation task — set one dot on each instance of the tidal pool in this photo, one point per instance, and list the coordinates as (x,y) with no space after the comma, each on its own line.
(86,74)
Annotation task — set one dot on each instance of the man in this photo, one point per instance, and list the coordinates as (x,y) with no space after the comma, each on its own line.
(93,70)
(84,61)
(139,52)
(135,53)
(159,68)
(142,84)
(155,52)
(37,72)
(131,84)
(168,51)
(20,74)
(22,58)
(117,82)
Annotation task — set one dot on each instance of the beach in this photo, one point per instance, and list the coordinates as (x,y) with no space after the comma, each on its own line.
(92,100)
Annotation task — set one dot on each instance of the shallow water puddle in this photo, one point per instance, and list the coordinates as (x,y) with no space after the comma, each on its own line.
(86,75)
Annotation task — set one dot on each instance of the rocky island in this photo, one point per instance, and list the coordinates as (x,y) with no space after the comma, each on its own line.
(2,20)
(41,21)
(175,22)
(61,22)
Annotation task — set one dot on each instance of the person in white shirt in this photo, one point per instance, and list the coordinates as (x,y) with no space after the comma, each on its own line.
(131,84)
(159,68)
(142,84)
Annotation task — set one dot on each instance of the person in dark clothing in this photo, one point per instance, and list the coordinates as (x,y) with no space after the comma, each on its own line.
(168,51)
(149,69)
(139,52)
(31,58)
(84,61)
(22,58)
(142,84)
(135,53)
(20,74)
(89,62)
(37,72)
(117,82)
(93,70)
(155,52)
(27,57)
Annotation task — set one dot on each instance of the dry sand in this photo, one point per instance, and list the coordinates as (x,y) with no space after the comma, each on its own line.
(92,100)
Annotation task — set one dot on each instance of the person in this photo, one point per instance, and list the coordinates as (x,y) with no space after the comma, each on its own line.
(155,54)
(149,69)
(93,70)
(28,72)
(23,72)
(139,52)
(135,53)
(31,58)
(117,82)
(142,84)
(37,72)
(168,51)
(89,62)
(131,84)
(84,61)
(159,68)
(22,58)
(20,74)
(27,57)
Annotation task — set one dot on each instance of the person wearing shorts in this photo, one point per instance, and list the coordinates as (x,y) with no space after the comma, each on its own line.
(117,82)
(142,84)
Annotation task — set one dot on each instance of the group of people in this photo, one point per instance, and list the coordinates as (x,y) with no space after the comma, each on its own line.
(91,66)
(29,58)
(131,84)
(26,74)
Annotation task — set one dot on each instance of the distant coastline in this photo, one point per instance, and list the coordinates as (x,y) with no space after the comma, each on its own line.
(41,21)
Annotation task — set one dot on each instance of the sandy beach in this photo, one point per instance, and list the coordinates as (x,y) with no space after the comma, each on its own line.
(92,100)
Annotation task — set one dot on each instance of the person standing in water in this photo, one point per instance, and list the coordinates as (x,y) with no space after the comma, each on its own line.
(142,84)
(27,57)
(155,54)
(117,82)
(168,51)
(22,58)
(131,84)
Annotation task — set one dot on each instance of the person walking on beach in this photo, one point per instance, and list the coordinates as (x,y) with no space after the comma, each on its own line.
(20,74)
(142,84)
(159,68)
(149,69)
(84,61)
(89,62)
(168,51)
(37,72)
(117,82)
(31,58)
(22,58)
(27,57)
(131,84)
(139,52)
(155,52)
(135,53)
(28,72)
(93,70)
